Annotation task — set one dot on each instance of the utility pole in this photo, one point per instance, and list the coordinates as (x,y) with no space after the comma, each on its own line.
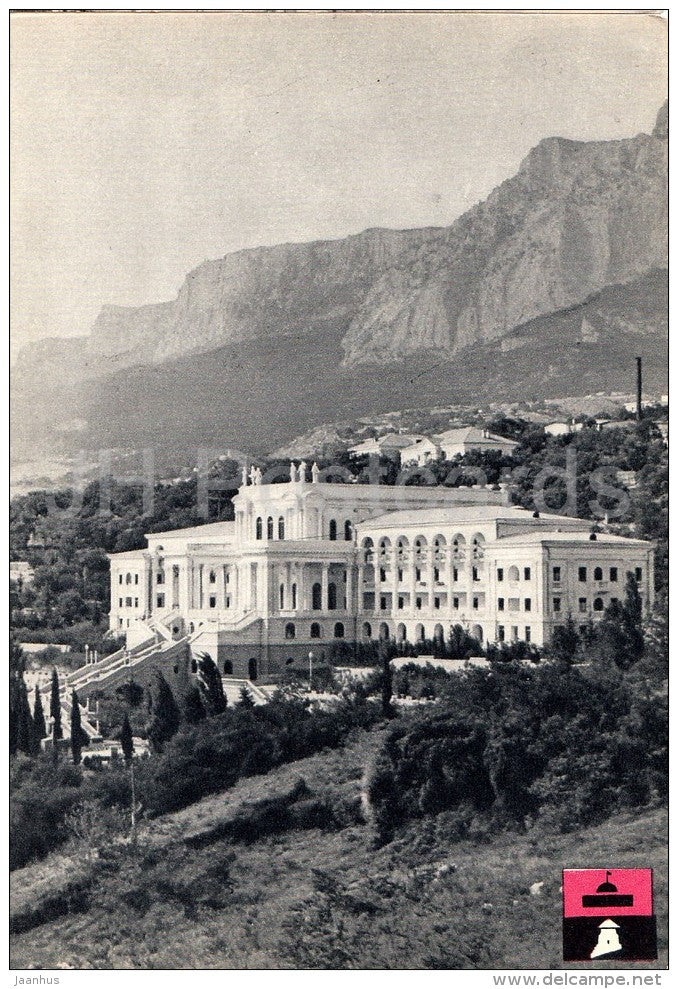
(639,387)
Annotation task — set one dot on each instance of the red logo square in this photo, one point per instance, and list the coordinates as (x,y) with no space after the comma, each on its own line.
(605,892)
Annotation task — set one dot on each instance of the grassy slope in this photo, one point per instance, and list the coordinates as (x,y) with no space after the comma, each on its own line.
(323,898)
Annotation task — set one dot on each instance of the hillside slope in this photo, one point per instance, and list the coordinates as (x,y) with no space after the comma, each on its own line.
(317,898)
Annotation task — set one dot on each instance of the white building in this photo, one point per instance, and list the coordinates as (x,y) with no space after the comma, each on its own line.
(421,452)
(563,427)
(307,563)
(459,441)
(389,445)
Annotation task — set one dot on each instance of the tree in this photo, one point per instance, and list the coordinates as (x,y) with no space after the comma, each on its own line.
(165,715)
(39,717)
(246,699)
(192,707)
(212,687)
(55,708)
(620,634)
(16,674)
(79,737)
(565,642)
(25,732)
(386,681)
(127,740)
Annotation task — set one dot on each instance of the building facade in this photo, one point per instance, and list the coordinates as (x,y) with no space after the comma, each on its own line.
(307,563)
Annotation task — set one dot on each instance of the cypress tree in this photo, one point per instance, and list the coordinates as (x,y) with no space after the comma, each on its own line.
(39,718)
(25,741)
(126,739)
(55,708)
(16,671)
(78,736)
(212,687)
(387,680)
(246,699)
(165,715)
(192,706)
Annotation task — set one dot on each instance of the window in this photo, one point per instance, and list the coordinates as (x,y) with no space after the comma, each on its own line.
(582,604)
(501,633)
(120,622)
(228,667)
(136,578)
(436,603)
(639,573)
(500,604)
(556,575)
(160,601)
(269,528)
(528,604)
(500,574)
(417,574)
(316,597)
(400,575)
(436,574)
(614,575)
(120,602)
(476,603)
(382,574)
(598,573)
(260,528)
(514,633)
(294,597)
(333,529)
(556,604)
(401,603)
(528,573)
(213,577)
(598,604)
(582,574)
(315,631)
(128,578)
(136,602)
(418,604)
(160,577)
(475,573)
(348,530)
(213,601)
(382,603)
(339,630)
(332,596)
(455,604)
(614,600)
(455,574)
(120,578)
(281,528)
(528,634)
(290,630)
(281,596)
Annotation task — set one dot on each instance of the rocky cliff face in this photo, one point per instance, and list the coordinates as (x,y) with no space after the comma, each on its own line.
(575,218)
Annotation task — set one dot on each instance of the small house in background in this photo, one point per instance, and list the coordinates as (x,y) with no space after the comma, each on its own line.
(627,478)
(563,427)
(603,424)
(457,442)
(421,452)
(21,572)
(389,445)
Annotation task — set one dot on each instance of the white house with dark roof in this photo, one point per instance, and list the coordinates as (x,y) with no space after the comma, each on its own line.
(454,442)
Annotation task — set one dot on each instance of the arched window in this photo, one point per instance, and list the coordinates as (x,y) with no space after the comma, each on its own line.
(598,604)
(514,573)
(419,633)
(128,578)
(367,631)
(269,528)
(316,597)
(348,530)
(260,528)
(315,630)
(598,573)
(282,596)
(339,630)
(289,661)
(333,529)
(281,528)
(290,630)
(478,546)
(228,666)
(332,597)
(294,597)
(383,631)
(252,668)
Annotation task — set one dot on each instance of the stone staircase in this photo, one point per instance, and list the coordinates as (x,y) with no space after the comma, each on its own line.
(233,686)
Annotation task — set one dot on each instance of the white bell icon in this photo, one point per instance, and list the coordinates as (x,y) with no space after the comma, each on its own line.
(608,940)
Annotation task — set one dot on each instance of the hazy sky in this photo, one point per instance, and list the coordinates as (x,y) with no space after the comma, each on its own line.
(143,144)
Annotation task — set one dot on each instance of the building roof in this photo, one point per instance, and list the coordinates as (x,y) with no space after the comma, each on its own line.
(453,515)
(606,538)
(472,434)
(206,531)
(397,441)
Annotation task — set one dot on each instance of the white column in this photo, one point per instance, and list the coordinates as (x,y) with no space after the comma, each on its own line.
(349,588)
(324,595)
(413,579)
(361,585)
(394,581)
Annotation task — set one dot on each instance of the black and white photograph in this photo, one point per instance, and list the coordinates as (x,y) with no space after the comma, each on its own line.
(339,493)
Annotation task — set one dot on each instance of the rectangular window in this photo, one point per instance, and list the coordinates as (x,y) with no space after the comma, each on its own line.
(401,603)
(382,604)
(455,574)
(120,578)
(514,604)
(514,633)
(614,575)
(582,604)
(436,574)
(556,575)
(382,574)
(500,574)
(228,602)
(528,633)
(528,604)
(475,573)
(136,578)
(418,604)
(582,574)
(213,601)
(455,604)
(160,578)
(160,601)
(639,573)
(213,577)
(400,575)
(136,602)
(120,602)
(528,573)
(500,604)
(556,604)
(417,574)
(436,603)
(501,634)
(120,622)
(476,602)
